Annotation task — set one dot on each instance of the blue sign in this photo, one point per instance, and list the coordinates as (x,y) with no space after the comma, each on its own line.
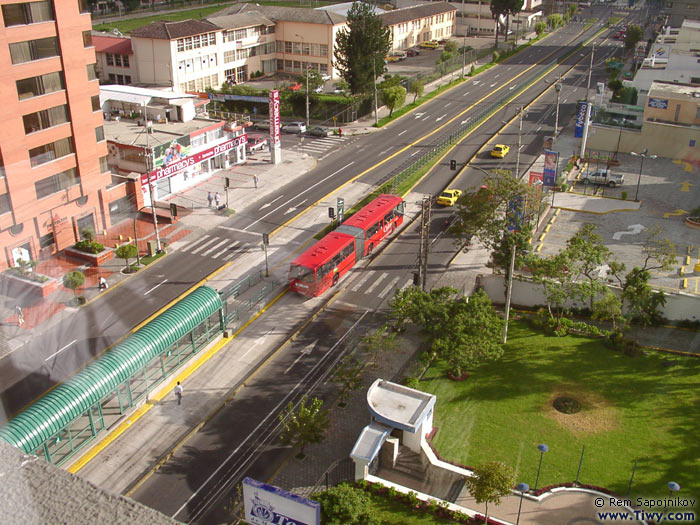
(580,119)
(515,214)
(269,505)
(244,98)
(549,173)
(658,103)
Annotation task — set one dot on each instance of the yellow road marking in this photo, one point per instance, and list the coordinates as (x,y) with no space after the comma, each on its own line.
(539,248)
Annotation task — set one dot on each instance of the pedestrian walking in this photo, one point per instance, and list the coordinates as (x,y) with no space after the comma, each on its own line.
(103,283)
(255,181)
(178,392)
(209,198)
(340,132)
(20,315)
(217,200)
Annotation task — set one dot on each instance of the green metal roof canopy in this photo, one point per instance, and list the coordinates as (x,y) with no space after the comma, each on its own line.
(69,400)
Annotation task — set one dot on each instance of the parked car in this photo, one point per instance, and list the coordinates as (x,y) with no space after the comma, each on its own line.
(295,87)
(605,177)
(412,52)
(319,131)
(429,44)
(401,55)
(391,58)
(500,150)
(256,143)
(325,77)
(319,89)
(262,125)
(449,197)
(294,127)
(337,90)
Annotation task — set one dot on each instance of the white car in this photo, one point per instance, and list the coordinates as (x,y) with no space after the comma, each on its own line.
(325,77)
(294,127)
(319,89)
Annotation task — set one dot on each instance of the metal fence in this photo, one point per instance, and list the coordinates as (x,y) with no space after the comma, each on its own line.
(245,297)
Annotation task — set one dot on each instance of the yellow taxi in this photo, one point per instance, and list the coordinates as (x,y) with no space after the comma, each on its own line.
(429,44)
(500,150)
(449,197)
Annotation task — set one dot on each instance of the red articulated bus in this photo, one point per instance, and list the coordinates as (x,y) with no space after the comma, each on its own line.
(322,265)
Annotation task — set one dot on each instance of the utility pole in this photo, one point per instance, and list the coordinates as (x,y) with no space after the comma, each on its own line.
(464,44)
(520,133)
(509,290)
(424,242)
(149,160)
(305,65)
(374,77)
(557,88)
(590,72)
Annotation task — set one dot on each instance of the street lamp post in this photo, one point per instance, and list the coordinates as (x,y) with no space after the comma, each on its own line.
(644,155)
(374,84)
(520,133)
(542,448)
(557,87)
(523,488)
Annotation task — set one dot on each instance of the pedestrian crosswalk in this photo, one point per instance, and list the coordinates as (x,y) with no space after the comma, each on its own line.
(215,247)
(321,145)
(372,282)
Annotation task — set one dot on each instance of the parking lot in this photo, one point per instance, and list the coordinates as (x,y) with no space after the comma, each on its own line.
(668,191)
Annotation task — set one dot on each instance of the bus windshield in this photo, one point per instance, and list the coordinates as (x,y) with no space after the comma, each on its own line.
(301,273)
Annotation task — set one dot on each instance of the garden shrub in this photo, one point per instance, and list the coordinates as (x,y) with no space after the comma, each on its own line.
(89,246)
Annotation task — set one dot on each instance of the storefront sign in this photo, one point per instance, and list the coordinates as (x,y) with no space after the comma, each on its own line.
(242,98)
(274,117)
(170,152)
(181,164)
(535,177)
(269,505)
(580,119)
(551,159)
(658,103)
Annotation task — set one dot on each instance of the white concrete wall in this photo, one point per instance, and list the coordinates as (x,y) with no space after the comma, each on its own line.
(678,307)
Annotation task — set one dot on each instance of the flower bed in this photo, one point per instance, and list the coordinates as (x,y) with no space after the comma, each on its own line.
(36,286)
(97,259)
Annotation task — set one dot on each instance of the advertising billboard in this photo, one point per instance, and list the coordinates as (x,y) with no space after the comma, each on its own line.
(551,159)
(580,119)
(185,162)
(274,102)
(658,103)
(269,505)
(171,152)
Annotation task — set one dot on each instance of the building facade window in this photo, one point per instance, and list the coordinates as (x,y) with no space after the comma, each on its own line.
(56,183)
(45,118)
(35,86)
(51,151)
(27,13)
(122,80)
(95,101)
(131,155)
(5,206)
(87,39)
(196,42)
(34,50)
(240,34)
(92,71)
(100,133)
(229,56)
(104,166)
(110,59)
(47,240)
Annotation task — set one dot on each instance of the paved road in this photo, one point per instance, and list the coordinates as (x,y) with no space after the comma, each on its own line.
(56,354)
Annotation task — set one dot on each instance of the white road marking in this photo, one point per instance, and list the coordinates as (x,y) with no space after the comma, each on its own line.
(196,241)
(236,230)
(213,239)
(299,195)
(513,86)
(382,152)
(465,94)
(388,287)
(60,350)
(270,203)
(414,153)
(383,276)
(222,252)
(440,118)
(362,281)
(448,104)
(404,131)
(290,210)
(494,84)
(207,252)
(240,248)
(538,129)
(407,284)
(304,351)
(156,286)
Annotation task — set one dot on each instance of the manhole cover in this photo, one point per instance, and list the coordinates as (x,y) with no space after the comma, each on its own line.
(567,405)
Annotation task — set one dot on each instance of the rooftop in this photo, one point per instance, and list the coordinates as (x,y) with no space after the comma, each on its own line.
(677,90)
(370,440)
(407,14)
(126,131)
(163,30)
(285,14)
(247,19)
(106,43)
(399,406)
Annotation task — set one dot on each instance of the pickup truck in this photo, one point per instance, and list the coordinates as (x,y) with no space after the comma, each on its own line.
(605,177)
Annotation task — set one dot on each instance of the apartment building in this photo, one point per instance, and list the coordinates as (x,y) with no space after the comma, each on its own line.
(412,25)
(115,58)
(53,152)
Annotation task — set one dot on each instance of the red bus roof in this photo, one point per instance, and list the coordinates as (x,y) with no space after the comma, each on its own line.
(324,250)
(376,209)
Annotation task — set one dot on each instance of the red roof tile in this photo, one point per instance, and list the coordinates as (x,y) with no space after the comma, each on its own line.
(116,45)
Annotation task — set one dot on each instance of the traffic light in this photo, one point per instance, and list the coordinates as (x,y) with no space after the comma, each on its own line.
(173,210)
(453,164)
(331,212)
(228,183)
(266,239)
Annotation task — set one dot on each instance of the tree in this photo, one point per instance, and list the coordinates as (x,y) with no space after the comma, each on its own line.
(642,302)
(315,81)
(360,49)
(658,250)
(307,424)
(381,339)
(349,375)
(540,28)
(489,482)
(74,280)
(588,254)
(415,88)
(429,310)
(634,34)
(472,336)
(345,504)
(393,97)
(88,234)
(555,21)
(498,10)
(126,252)
(609,308)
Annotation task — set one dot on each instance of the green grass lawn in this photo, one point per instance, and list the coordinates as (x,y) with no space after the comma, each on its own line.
(392,512)
(633,408)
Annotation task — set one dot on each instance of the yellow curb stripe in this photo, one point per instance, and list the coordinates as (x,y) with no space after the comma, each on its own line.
(542,236)
(684,283)
(539,248)
(687,260)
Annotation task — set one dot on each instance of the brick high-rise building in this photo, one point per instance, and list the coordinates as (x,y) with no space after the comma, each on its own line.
(53,152)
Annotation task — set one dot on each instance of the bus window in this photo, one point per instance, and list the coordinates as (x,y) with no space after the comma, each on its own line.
(389,217)
(302,273)
(372,230)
